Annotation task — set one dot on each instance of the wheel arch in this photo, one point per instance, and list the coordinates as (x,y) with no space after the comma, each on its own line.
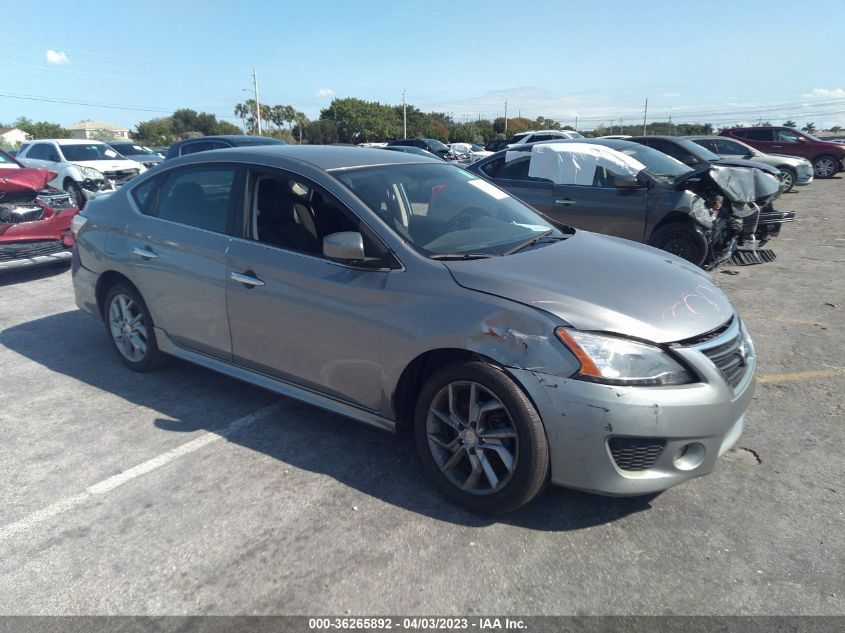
(105,282)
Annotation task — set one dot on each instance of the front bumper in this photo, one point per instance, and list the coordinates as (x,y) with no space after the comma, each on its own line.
(27,255)
(691,426)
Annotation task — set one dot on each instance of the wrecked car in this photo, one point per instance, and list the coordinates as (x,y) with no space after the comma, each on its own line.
(400,290)
(35,219)
(83,168)
(628,190)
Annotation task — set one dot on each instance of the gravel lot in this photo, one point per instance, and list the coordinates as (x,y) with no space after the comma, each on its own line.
(185,492)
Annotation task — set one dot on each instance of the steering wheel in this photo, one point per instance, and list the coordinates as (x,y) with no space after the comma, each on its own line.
(465,218)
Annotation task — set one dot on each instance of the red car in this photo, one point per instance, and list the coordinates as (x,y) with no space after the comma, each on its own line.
(828,158)
(35,220)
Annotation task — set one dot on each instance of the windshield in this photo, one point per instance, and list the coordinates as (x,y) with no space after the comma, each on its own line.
(698,150)
(659,165)
(132,150)
(442,209)
(89,151)
(7,162)
(433,143)
(575,135)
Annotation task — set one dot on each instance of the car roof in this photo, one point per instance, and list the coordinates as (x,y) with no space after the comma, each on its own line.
(325,157)
(236,139)
(67,141)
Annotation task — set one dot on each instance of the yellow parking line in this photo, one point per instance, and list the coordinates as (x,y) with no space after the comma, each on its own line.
(799,375)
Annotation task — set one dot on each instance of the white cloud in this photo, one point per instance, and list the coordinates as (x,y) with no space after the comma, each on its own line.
(836,93)
(55,57)
(323,93)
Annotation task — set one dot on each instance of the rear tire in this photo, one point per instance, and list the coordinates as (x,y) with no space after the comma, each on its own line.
(480,439)
(130,329)
(681,239)
(825,167)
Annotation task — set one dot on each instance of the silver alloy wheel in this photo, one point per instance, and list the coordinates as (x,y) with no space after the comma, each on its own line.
(788,180)
(824,167)
(127,326)
(472,438)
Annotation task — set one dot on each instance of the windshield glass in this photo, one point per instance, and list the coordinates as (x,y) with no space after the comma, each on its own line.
(7,162)
(89,151)
(659,165)
(698,150)
(575,135)
(433,143)
(442,209)
(128,149)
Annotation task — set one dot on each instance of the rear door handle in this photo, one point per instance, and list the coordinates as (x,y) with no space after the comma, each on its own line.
(566,202)
(247,279)
(146,253)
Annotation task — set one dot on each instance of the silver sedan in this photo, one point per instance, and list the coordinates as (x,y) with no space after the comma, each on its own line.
(398,290)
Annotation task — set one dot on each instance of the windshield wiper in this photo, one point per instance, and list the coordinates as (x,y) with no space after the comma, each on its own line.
(534,241)
(448,256)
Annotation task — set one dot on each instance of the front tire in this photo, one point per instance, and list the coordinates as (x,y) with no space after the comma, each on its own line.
(789,178)
(825,167)
(130,329)
(681,239)
(75,193)
(480,439)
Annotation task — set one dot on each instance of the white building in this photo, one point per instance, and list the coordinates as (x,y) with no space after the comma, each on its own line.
(94,129)
(12,136)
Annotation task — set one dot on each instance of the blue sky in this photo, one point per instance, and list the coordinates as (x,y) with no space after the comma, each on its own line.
(723,62)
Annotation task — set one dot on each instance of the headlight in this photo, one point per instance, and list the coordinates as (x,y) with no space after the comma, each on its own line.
(619,361)
(90,173)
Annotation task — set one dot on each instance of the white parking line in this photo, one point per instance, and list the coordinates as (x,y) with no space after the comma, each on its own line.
(107,485)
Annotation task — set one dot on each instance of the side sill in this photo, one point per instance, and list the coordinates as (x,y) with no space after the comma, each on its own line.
(272,384)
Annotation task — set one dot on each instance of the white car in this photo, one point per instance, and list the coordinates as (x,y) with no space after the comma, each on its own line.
(536,136)
(83,168)
(470,151)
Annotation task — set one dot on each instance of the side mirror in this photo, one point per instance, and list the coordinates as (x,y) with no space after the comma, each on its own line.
(347,246)
(801,139)
(626,182)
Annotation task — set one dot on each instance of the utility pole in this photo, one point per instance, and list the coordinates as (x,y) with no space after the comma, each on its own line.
(671,127)
(576,122)
(506,117)
(645,114)
(404,116)
(257,104)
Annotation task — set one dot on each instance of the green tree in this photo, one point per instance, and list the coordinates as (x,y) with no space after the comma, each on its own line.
(809,128)
(790,123)
(41,129)
(835,129)
(357,120)
(154,132)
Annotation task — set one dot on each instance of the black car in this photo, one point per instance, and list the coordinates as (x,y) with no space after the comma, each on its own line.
(694,155)
(410,149)
(653,199)
(205,143)
(428,144)
(497,144)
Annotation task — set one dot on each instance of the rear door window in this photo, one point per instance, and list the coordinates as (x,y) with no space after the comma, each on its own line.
(758,134)
(200,196)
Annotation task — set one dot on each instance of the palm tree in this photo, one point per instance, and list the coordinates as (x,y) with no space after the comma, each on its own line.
(242,111)
(790,123)
(809,128)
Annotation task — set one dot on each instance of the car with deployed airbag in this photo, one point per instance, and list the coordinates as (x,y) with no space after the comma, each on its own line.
(402,291)
(628,190)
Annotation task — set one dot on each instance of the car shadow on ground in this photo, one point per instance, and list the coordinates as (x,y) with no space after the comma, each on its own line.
(373,462)
(17,276)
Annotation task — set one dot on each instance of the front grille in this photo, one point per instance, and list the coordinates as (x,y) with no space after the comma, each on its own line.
(729,358)
(23,250)
(121,176)
(16,213)
(635,453)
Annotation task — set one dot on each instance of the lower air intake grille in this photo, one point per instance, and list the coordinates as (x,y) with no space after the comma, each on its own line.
(635,453)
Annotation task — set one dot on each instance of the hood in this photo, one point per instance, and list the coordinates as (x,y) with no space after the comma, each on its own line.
(24,179)
(108,165)
(602,283)
(749,163)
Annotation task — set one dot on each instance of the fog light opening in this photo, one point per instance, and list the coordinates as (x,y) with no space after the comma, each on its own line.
(690,456)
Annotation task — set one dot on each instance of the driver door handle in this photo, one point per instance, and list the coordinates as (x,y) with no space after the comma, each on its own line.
(146,253)
(247,279)
(565,202)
